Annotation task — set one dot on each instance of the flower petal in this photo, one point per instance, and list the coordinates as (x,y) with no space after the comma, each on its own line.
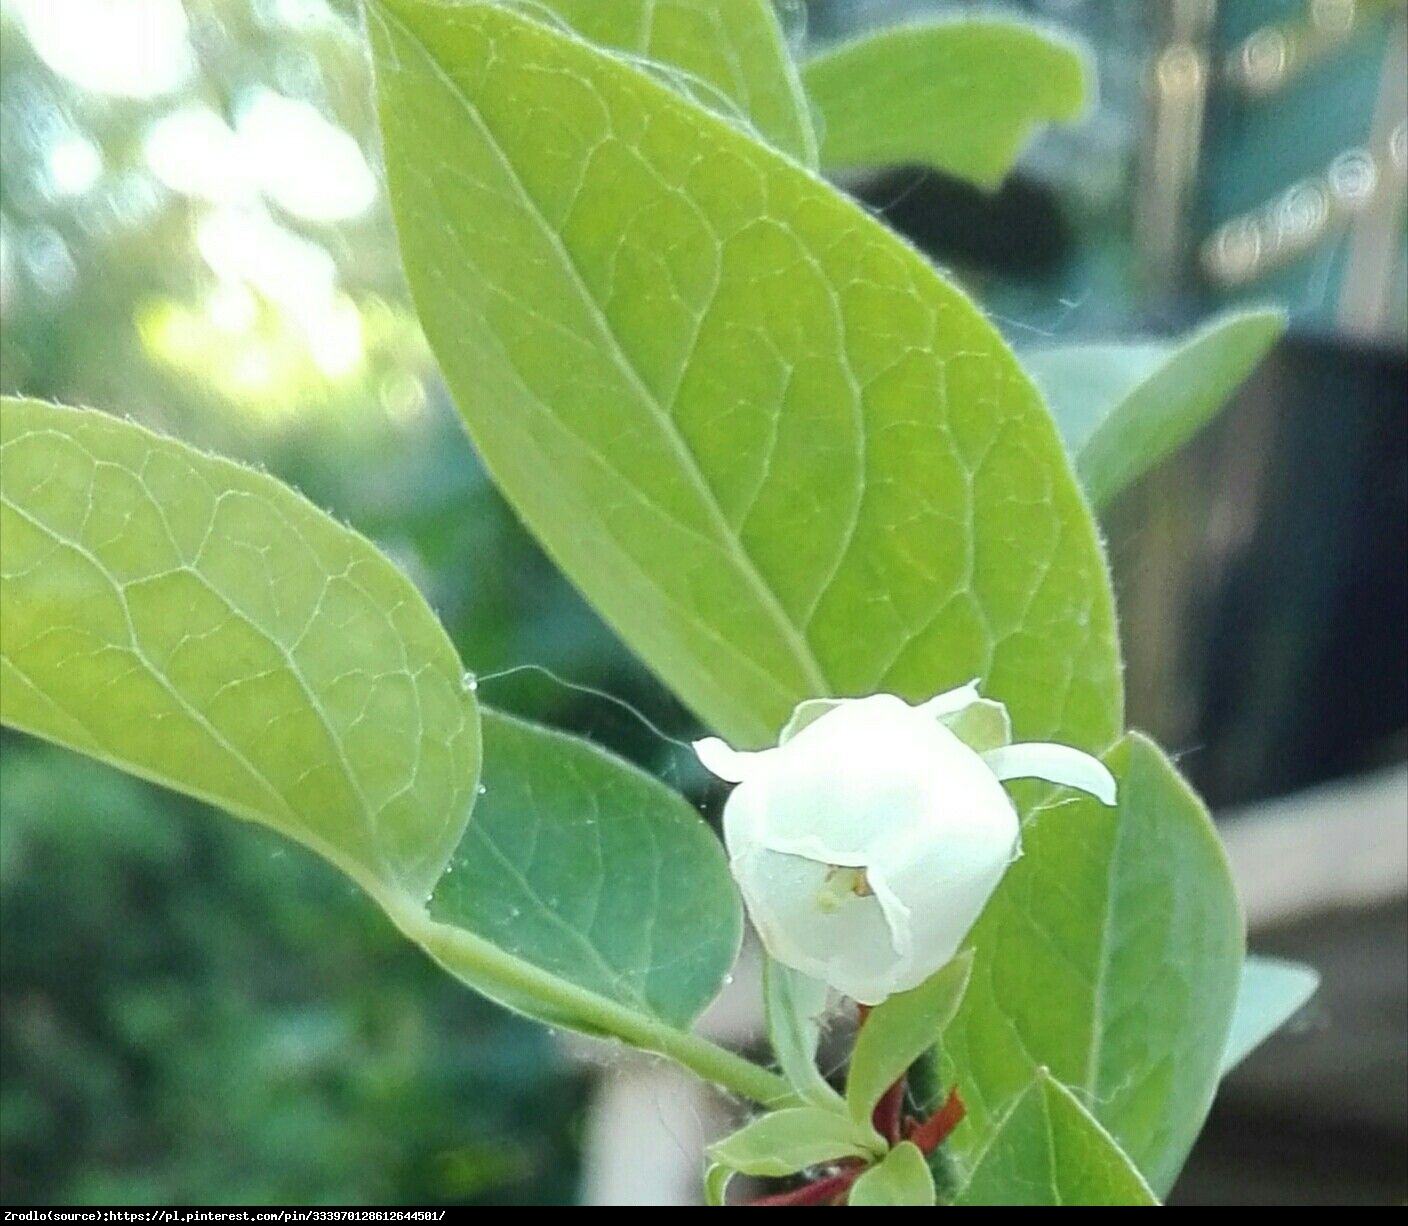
(868,765)
(1056,764)
(942,871)
(722,759)
(850,945)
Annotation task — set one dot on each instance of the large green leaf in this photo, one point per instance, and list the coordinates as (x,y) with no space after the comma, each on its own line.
(1272,992)
(1111,955)
(201,625)
(732,47)
(204,626)
(1122,408)
(1049,1150)
(961,96)
(593,871)
(780,453)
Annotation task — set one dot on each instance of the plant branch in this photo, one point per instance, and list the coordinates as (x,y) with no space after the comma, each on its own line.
(818,1192)
(934,1131)
(522,986)
(886,1117)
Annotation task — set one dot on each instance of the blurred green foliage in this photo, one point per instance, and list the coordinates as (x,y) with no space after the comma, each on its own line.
(193,1012)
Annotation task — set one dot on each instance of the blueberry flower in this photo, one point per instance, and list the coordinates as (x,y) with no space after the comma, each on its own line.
(868,841)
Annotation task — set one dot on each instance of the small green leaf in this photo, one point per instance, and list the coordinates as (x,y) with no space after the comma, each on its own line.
(203,626)
(897,1031)
(733,47)
(794,1004)
(901,1178)
(1110,954)
(716,1181)
(1122,408)
(961,96)
(1049,1150)
(788,1141)
(590,869)
(783,457)
(1272,992)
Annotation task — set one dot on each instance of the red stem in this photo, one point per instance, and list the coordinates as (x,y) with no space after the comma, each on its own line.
(934,1131)
(886,1117)
(818,1192)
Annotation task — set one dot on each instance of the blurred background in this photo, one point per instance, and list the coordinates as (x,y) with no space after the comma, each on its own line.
(194,232)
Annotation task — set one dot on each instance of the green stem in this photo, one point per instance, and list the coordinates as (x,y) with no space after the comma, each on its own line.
(722,1067)
(527,989)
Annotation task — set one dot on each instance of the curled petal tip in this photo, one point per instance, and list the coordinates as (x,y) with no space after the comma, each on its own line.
(719,758)
(951,702)
(1108,793)
(1061,764)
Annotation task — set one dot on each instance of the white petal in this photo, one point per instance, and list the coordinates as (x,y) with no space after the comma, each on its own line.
(721,759)
(851,947)
(951,702)
(1056,764)
(866,767)
(745,812)
(942,873)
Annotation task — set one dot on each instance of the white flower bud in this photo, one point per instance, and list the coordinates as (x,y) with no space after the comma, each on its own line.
(867,843)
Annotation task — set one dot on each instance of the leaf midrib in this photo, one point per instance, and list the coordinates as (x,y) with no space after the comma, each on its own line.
(1102,967)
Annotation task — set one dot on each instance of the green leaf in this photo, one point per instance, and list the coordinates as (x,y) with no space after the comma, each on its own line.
(1122,408)
(1110,954)
(902,1178)
(898,1031)
(784,1142)
(203,626)
(781,455)
(961,96)
(735,48)
(716,1181)
(582,865)
(1049,1150)
(1272,993)
(794,1004)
